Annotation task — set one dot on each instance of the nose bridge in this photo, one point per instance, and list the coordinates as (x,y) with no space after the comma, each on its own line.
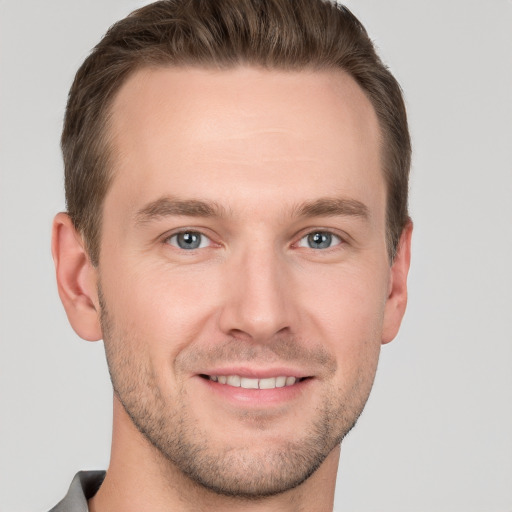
(257,301)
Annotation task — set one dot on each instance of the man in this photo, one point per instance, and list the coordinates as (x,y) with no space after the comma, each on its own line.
(237,234)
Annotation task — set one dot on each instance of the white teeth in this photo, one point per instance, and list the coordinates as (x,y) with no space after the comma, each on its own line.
(249,383)
(268,383)
(280,382)
(234,380)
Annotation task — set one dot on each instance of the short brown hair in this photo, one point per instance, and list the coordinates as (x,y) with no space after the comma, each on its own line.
(280,34)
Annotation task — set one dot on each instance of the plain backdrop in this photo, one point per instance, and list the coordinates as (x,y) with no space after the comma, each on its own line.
(436,435)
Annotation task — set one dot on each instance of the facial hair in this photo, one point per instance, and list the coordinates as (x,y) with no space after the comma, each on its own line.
(251,472)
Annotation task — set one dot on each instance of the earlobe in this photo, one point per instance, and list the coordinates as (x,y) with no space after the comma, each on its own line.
(76,279)
(397,295)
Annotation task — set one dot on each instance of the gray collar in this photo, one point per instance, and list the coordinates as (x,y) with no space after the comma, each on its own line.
(84,486)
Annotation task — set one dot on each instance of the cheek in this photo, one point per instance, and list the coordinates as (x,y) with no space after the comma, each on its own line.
(347,312)
(164,309)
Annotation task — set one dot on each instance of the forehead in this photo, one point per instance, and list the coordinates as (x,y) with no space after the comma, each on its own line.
(265,129)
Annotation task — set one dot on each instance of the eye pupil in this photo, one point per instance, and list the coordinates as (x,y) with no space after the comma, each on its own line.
(189,240)
(319,240)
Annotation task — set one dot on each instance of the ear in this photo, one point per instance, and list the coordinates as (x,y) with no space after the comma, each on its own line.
(397,291)
(76,279)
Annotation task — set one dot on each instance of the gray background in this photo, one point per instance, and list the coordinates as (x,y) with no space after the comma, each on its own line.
(437,432)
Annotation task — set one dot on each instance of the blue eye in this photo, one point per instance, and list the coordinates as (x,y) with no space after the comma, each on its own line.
(319,240)
(189,240)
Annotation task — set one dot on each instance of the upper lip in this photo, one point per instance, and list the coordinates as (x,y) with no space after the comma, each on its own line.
(256,373)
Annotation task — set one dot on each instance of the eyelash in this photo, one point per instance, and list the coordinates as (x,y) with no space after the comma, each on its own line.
(325,233)
(168,240)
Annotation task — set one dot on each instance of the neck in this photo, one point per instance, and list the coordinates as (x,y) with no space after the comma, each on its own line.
(140,478)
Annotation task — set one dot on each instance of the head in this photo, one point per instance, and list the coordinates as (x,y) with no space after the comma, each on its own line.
(273,34)
(236,178)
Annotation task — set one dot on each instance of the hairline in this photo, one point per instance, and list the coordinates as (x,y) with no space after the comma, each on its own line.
(107,137)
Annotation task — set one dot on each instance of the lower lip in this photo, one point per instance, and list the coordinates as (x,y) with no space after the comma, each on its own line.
(256,397)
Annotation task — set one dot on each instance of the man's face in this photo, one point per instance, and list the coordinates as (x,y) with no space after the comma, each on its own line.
(243,246)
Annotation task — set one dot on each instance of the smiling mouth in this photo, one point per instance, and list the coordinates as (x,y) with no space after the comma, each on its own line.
(237,381)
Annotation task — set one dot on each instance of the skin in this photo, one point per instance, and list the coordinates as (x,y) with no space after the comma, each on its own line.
(254,161)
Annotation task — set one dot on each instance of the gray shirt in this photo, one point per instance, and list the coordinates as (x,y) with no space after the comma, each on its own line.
(84,486)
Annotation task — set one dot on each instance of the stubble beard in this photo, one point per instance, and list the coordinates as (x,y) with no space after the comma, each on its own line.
(249,473)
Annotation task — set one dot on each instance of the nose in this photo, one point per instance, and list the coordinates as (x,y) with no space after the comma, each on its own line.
(257,300)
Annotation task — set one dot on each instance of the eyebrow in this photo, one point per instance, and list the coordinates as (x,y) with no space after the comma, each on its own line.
(333,207)
(168,206)
(323,207)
